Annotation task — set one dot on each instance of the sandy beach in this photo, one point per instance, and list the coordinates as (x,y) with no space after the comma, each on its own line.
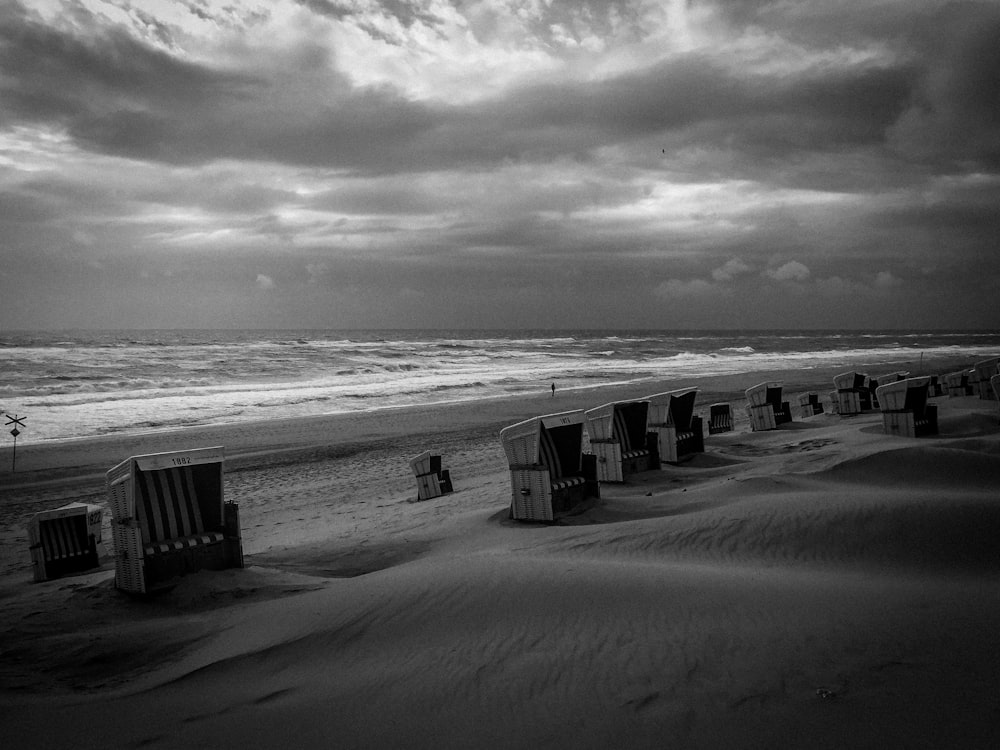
(822,585)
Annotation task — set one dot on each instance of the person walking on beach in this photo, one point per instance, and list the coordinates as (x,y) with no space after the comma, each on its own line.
(553,390)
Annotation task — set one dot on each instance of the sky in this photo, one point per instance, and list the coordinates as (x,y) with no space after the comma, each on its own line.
(499,164)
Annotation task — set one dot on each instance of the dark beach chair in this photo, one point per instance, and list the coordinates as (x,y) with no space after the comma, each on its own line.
(720,418)
(550,475)
(65,540)
(169,518)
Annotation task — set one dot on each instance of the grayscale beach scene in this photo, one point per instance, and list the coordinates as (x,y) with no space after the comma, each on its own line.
(499,374)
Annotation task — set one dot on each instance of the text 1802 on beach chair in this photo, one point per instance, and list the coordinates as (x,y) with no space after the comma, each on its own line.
(982,372)
(810,405)
(765,407)
(678,429)
(720,418)
(549,473)
(169,518)
(905,410)
(619,439)
(432,480)
(853,396)
(65,540)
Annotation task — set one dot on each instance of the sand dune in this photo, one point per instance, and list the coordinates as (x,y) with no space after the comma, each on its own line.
(820,586)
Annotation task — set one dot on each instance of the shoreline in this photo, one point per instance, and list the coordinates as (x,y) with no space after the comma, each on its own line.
(65,458)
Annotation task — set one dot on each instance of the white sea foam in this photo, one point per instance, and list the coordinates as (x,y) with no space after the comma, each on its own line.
(95,383)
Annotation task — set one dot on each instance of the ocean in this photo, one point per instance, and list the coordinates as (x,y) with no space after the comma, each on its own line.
(79,384)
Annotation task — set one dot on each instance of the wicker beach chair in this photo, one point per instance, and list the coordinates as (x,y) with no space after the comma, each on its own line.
(619,439)
(905,410)
(169,518)
(982,372)
(958,384)
(432,480)
(853,394)
(810,405)
(720,418)
(678,429)
(65,540)
(550,475)
(765,407)
(874,383)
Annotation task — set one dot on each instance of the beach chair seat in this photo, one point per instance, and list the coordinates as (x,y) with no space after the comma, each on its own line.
(720,418)
(619,440)
(905,410)
(810,405)
(65,540)
(678,430)
(980,377)
(432,480)
(169,546)
(853,393)
(765,407)
(550,476)
(169,518)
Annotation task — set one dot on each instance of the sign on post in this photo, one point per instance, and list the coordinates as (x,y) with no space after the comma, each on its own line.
(13,419)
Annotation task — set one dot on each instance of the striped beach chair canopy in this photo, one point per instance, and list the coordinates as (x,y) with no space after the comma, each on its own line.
(65,540)
(552,440)
(621,421)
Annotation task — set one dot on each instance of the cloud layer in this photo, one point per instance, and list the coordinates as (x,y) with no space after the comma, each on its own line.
(541,164)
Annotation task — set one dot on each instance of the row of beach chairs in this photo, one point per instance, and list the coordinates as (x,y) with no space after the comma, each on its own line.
(170,517)
(551,474)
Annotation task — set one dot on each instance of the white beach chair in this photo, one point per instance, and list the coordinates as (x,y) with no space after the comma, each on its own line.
(874,383)
(65,540)
(549,473)
(678,429)
(619,439)
(169,518)
(765,407)
(958,383)
(982,372)
(853,394)
(810,405)
(905,410)
(432,480)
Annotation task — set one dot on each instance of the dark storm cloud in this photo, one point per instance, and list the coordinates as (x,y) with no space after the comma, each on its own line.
(122,97)
(840,152)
